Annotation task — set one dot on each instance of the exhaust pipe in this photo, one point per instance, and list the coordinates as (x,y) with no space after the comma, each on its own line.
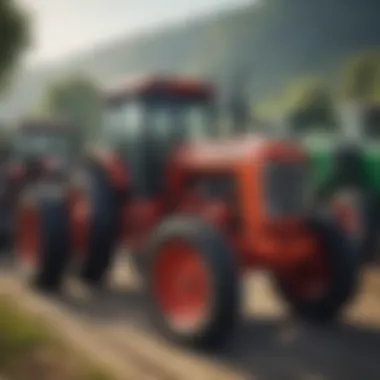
(240,109)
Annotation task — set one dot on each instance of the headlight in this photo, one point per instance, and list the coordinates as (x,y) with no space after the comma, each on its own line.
(287,189)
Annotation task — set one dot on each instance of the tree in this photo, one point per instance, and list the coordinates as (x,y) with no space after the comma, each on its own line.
(76,99)
(311,103)
(5,141)
(361,77)
(269,108)
(14,37)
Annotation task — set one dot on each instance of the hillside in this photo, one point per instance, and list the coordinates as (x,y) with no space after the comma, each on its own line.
(279,40)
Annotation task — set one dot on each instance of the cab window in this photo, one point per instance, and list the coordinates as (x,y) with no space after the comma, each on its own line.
(123,122)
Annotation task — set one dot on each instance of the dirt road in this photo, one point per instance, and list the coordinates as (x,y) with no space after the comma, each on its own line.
(268,345)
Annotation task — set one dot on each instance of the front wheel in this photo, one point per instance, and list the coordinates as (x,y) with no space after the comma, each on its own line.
(320,288)
(357,213)
(42,237)
(192,282)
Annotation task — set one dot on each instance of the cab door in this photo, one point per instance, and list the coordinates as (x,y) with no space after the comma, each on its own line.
(123,133)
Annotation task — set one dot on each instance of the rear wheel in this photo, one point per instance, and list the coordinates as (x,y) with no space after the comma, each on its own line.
(42,238)
(192,282)
(103,226)
(319,288)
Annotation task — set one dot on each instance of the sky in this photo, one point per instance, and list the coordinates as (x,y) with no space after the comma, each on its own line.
(62,28)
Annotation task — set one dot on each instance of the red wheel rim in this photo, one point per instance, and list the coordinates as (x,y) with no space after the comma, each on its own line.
(28,238)
(182,285)
(311,280)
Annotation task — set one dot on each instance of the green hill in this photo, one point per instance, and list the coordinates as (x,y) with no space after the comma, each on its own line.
(279,40)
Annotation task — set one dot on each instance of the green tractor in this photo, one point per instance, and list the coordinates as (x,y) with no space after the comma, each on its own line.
(345,157)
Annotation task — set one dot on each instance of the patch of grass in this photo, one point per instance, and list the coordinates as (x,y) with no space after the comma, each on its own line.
(30,351)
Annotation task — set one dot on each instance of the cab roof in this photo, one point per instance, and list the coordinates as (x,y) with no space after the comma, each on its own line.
(146,85)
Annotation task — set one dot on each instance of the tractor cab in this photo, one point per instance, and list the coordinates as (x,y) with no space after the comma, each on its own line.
(40,146)
(145,121)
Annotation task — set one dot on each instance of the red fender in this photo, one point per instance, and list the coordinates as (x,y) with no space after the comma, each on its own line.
(114,167)
(139,218)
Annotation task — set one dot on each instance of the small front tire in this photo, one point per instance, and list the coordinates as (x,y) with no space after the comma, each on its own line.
(42,239)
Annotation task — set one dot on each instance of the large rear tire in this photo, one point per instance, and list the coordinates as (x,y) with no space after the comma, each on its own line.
(103,227)
(192,282)
(42,237)
(320,288)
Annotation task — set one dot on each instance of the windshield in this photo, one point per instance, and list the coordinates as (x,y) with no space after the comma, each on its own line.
(360,122)
(189,120)
(197,121)
(123,121)
(36,145)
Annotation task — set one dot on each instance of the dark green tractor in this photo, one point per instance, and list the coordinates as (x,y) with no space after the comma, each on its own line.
(345,157)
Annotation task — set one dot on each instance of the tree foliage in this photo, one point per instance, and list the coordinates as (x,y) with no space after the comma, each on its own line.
(5,142)
(14,37)
(76,99)
(361,77)
(310,102)
(268,108)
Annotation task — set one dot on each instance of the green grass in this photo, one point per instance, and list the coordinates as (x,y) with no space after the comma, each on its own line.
(30,351)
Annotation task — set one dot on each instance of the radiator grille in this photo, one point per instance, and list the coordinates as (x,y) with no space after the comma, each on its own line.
(287,188)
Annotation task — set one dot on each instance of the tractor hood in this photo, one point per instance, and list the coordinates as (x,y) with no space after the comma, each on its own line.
(232,152)
(351,160)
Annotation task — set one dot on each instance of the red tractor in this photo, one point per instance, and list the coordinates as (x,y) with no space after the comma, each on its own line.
(194,211)
(40,147)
